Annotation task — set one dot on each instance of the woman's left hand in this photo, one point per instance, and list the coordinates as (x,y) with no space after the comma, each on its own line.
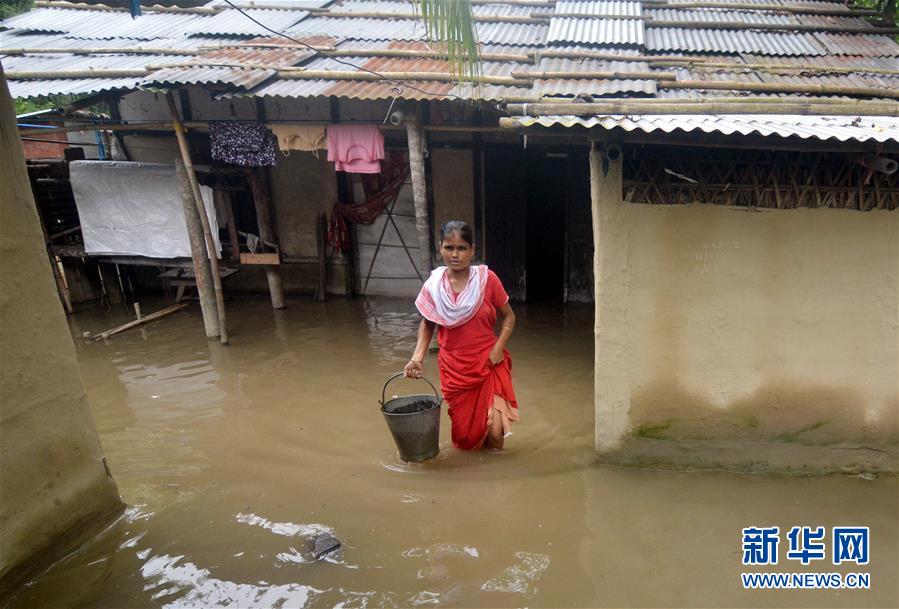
(496,357)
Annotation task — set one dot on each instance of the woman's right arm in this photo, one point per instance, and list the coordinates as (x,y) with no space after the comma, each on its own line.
(414,369)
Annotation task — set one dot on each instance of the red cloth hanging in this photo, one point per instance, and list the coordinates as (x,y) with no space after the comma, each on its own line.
(380,189)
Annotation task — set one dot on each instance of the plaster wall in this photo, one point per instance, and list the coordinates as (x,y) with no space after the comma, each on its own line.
(53,480)
(716,322)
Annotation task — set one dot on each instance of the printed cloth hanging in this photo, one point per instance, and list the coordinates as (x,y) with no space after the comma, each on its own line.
(300,137)
(243,143)
(355,148)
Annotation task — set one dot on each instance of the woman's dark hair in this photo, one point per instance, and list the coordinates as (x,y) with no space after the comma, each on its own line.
(457,226)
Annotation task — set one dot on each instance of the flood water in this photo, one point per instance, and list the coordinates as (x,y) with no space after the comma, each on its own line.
(233,459)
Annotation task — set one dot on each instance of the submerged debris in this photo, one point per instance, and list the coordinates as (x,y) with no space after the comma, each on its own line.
(324,544)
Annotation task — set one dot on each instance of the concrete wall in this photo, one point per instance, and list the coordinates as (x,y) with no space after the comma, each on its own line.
(53,481)
(717,322)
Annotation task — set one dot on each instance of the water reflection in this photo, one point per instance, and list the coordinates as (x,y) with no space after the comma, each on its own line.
(234,458)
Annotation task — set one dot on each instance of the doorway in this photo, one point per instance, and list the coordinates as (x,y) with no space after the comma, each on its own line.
(546,196)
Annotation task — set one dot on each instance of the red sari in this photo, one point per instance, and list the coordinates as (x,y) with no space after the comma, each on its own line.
(469,380)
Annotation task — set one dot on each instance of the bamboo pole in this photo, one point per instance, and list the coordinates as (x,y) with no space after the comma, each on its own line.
(596,75)
(687,62)
(263,204)
(197,10)
(89,73)
(98,51)
(767,87)
(772,27)
(556,54)
(199,254)
(138,322)
(416,138)
(332,14)
(529,3)
(201,209)
(300,74)
(804,10)
(708,108)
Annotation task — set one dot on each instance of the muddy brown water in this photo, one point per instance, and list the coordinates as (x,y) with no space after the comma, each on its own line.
(233,459)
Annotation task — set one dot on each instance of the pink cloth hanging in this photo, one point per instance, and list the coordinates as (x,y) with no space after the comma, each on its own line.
(355,148)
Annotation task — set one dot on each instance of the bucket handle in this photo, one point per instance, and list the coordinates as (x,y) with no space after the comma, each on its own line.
(398,375)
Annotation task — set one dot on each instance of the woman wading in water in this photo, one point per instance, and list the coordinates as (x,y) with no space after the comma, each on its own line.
(475,368)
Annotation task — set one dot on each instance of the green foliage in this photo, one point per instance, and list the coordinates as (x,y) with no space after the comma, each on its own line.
(8,8)
(450,23)
(24,106)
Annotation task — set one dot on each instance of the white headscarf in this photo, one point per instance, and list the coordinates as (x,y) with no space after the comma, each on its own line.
(437,302)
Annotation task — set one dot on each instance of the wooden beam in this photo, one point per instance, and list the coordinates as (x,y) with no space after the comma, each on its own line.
(201,210)
(138,322)
(264,219)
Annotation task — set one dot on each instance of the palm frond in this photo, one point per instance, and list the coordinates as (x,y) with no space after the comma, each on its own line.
(450,25)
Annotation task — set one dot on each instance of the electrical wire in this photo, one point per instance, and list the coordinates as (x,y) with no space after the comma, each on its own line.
(399,83)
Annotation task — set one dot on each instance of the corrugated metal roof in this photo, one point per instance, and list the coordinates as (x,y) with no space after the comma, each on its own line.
(406,7)
(65,61)
(291,4)
(104,24)
(835,5)
(360,29)
(720,16)
(755,17)
(856,62)
(525,34)
(208,75)
(842,128)
(261,63)
(70,86)
(236,23)
(25,40)
(596,31)
(858,44)
(599,7)
(732,41)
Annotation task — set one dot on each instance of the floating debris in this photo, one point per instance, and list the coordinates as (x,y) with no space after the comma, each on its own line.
(324,544)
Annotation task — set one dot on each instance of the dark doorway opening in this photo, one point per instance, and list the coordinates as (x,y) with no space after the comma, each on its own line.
(546,194)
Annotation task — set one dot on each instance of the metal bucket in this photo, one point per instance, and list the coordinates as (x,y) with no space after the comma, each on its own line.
(414,422)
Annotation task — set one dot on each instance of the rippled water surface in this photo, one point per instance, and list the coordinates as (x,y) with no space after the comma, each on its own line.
(233,459)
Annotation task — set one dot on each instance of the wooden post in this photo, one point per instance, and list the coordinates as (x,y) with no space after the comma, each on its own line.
(201,210)
(321,238)
(611,292)
(202,266)
(415,135)
(263,204)
(226,204)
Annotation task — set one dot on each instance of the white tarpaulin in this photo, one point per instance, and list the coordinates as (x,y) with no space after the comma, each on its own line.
(133,209)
